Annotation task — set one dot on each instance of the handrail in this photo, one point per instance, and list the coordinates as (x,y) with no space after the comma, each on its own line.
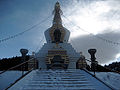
(23,74)
(109,86)
(93,75)
(18,79)
(16,66)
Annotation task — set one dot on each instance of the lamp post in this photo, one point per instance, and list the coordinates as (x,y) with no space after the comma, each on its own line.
(93,62)
(23,52)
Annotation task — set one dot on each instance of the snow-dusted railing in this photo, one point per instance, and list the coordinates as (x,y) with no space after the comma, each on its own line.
(94,75)
(18,79)
(22,66)
(99,79)
(94,64)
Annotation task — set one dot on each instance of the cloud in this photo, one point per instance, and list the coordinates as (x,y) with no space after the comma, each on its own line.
(94,17)
(106,52)
(100,17)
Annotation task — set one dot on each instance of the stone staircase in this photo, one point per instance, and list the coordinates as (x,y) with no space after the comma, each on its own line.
(59,80)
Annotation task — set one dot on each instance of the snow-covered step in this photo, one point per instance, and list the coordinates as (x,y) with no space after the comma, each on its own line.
(72,77)
(60,88)
(60,82)
(57,85)
(77,79)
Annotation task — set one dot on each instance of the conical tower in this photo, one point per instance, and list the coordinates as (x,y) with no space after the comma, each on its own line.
(57,33)
(57,53)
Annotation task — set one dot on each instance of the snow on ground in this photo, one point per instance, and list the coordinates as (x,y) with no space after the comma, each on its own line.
(8,77)
(110,78)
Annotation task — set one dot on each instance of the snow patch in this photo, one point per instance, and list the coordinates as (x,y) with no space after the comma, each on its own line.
(110,78)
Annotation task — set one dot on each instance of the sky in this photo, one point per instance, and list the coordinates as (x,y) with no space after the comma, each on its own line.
(86,19)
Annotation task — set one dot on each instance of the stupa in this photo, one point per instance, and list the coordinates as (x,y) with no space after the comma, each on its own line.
(57,52)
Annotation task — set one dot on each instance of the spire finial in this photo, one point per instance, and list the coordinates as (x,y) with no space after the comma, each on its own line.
(57,14)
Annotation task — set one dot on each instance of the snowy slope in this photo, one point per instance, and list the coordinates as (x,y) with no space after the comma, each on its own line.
(110,78)
(8,77)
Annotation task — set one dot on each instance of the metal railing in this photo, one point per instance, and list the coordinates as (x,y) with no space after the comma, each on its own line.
(23,71)
(109,86)
(17,65)
(94,75)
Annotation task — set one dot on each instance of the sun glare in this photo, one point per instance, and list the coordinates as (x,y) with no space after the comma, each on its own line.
(118,56)
(90,18)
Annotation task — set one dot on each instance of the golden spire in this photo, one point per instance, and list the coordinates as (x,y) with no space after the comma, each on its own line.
(57,14)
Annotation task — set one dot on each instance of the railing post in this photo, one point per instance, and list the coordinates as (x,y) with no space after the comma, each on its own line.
(93,62)
(34,61)
(23,52)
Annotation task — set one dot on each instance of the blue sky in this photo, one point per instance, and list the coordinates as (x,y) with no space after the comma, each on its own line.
(17,16)
(100,17)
